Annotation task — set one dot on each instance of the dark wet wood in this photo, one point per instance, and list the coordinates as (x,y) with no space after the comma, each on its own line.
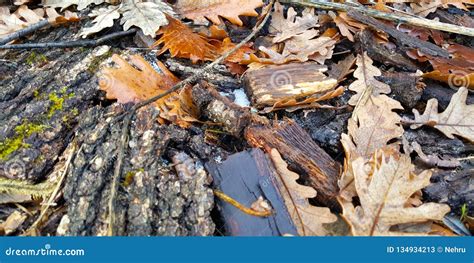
(302,154)
(245,176)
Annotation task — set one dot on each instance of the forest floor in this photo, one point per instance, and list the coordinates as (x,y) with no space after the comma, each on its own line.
(345,119)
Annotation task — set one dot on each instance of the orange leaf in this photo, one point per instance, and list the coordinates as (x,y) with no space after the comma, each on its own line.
(182,42)
(136,80)
(238,55)
(212,9)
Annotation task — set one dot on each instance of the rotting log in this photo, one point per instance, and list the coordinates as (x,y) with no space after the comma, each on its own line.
(268,85)
(302,154)
(245,176)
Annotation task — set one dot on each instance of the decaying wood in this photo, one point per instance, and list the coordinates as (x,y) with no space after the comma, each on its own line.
(154,198)
(220,109)
(270,84)
(412,20)
(406,87)
(381,54)
(404,40)
(302,154)
(219,76)
(453,187)
(245,176)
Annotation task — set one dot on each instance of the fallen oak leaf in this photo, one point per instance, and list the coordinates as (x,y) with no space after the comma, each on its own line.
(81,4)
(457,119)
(383,196)
(136,81)
(148,16)
(369,130)
(198,11)
(366,83)
(308,219)
(182,42)
(292,25)
(24,17)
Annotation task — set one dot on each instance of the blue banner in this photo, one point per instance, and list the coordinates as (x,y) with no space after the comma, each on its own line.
(236,249)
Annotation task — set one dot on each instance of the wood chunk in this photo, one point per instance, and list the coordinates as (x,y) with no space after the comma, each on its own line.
(381,54)
(270,84)
(245,176)
(302,154)
(404,40)
(220,109)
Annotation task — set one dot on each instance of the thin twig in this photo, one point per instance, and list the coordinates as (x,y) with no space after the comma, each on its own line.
(416,21)
(23,32)
(126,123)
(241,207)
(69,44)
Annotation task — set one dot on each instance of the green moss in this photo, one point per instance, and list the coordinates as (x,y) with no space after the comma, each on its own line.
(35,58)
(129,177)
(56,104)
(95,63)
(22,132)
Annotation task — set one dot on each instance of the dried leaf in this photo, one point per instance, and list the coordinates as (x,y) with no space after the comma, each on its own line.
(136,81)
(457,119)
(24,17)
(81,4)
(182,42)
(236,57)
(346,25)
(148,16)
(383,196)
(369,131)
(198,11)
(292,25)
(426,7)
(366,84)
(104,18)
(13,222)
(308,219)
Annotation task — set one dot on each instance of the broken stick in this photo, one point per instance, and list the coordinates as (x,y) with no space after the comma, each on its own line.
(411,20)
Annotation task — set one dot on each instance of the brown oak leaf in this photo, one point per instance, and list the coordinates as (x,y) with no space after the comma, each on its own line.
(198,11)
(308,219)
(366,84)
(182,42)
(383,195)
(136,80)
(457,119)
